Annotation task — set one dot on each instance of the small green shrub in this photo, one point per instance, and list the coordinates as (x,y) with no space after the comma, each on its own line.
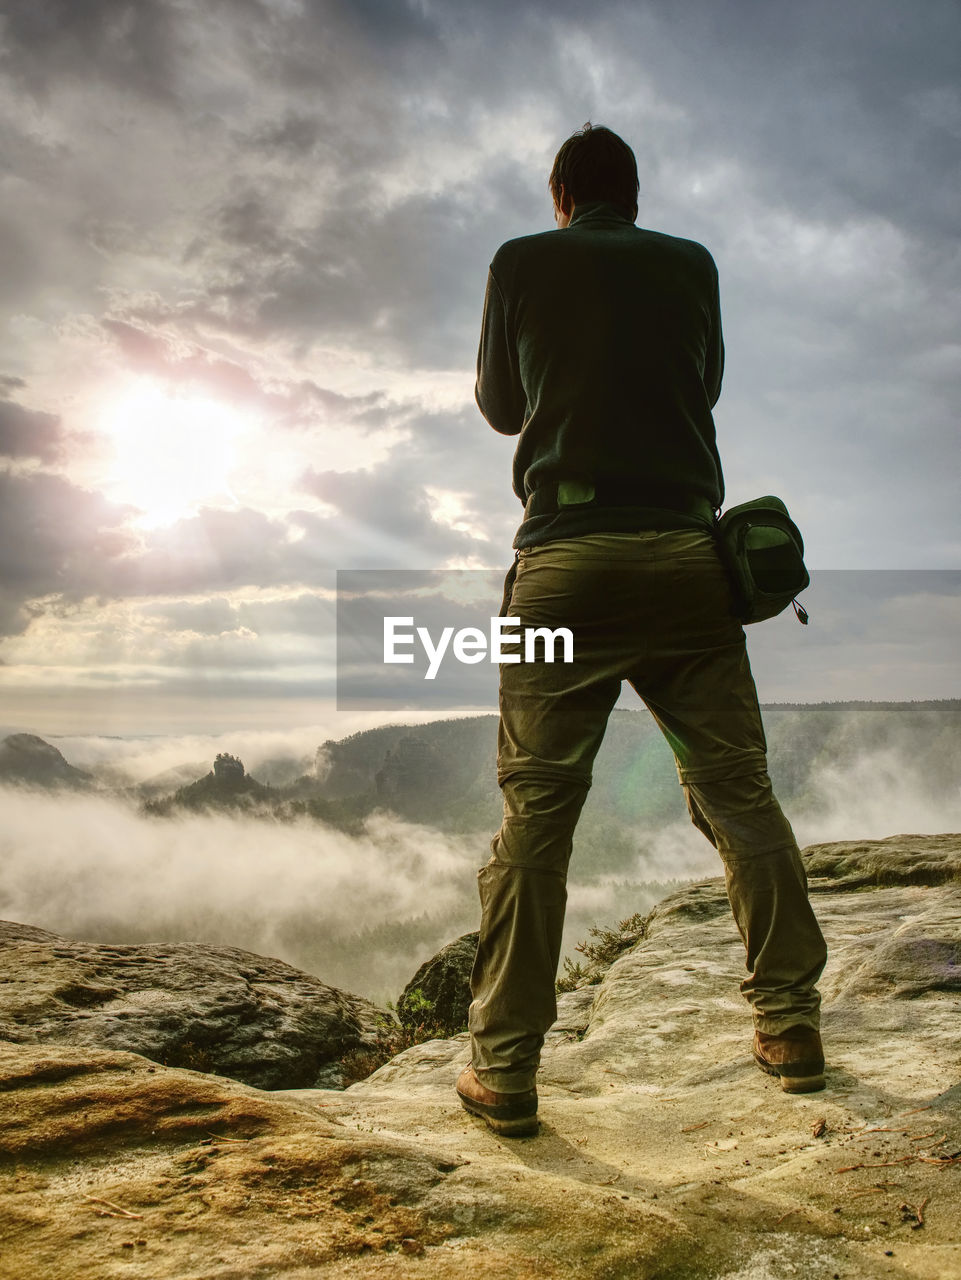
(394,1039)
(600,953)
(574,975)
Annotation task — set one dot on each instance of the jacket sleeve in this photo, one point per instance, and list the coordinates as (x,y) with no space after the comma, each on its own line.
(499,394)
(714,361)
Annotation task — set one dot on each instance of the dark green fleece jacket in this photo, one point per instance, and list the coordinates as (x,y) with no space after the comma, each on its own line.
(601,349)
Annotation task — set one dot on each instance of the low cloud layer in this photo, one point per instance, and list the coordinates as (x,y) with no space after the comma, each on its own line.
(91,867)
(361,912)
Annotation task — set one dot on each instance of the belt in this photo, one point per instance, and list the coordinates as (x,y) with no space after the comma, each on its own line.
(576,495)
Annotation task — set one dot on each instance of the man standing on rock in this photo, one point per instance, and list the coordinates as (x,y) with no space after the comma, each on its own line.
(601,351)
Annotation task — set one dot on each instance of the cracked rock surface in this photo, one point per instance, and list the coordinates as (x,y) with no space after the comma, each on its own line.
(663,1152)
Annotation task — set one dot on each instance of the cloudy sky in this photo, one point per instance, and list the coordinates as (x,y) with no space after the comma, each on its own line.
(243,246)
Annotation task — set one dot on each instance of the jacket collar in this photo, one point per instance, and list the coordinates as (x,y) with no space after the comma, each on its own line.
(598,212)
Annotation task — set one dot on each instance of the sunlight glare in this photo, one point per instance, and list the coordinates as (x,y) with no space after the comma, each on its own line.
(171,453)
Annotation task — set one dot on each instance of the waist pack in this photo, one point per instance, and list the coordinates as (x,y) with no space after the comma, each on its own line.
(763,551)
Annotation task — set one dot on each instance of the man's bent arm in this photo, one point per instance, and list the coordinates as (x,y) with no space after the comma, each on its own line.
(714,362)
(499,393)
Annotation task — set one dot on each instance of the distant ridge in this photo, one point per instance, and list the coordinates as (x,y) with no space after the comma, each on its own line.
(443,773)
(25,758)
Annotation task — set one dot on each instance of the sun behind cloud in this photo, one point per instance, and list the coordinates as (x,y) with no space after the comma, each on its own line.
(171,452)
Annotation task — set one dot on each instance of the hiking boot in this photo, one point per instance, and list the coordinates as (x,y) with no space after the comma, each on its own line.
(513,1115)
(795,1056)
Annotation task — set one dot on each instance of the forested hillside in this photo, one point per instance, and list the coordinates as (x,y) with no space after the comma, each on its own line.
(443,774)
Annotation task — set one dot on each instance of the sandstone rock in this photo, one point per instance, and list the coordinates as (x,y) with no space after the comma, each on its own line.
(647,1085)
(216,1009)
(228,768)
(663,1151)
(111,1165)
(866,864)
(438,995)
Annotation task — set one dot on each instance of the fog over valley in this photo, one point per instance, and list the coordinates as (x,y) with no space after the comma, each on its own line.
(358,860)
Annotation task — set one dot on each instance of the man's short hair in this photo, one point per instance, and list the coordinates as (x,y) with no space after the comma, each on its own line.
(595,164)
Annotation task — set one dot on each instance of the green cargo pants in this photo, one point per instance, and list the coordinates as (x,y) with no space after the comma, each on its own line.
(653,608)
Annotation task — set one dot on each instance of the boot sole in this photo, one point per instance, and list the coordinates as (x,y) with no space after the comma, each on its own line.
(809,1082)
(507,1125)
